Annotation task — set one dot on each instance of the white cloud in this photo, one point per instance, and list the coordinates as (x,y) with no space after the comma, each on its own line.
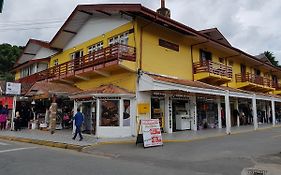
(251,25)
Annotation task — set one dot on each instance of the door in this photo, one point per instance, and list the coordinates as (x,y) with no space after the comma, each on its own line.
(243,72)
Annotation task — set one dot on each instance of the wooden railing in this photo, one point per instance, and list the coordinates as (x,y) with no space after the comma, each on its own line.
(101,57)
(252,78)
(276,85)
(213,67)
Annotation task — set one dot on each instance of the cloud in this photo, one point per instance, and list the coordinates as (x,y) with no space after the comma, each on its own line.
(250,25)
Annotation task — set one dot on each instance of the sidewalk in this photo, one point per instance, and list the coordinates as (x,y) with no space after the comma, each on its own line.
(63,138)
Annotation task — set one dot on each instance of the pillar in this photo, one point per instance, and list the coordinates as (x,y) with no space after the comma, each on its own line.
(98,117)
(273,112)
(75,105)
(227,113)
(168,114)
(13,112)
(254,111)
(193,112)
(219,112)
(236,106)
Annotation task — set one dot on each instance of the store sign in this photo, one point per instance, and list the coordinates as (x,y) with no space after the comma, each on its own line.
(13,88)
(151,132)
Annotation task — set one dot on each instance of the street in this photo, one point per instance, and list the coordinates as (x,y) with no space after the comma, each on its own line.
(227,155)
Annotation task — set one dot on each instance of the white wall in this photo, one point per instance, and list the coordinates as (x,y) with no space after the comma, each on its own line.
(43,53)
(96,26)
(113,132)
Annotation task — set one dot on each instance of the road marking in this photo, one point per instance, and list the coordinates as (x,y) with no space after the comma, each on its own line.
(16,149)
(2,143)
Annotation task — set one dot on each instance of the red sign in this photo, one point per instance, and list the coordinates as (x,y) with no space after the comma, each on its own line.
(7,101)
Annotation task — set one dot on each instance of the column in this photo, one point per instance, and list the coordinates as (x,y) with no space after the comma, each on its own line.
(273,112)
(98,117)
(193,112)
(227,113)
(121,110)
(13,112)
(219,112)
(74,112)
(168,114)
(254,112)
(237,108)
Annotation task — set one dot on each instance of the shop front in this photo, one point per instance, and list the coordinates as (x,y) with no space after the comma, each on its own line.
(207,113)
(107,114)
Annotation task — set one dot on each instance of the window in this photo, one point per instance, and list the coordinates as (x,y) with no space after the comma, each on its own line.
(205,56)
(56,62)
(76,55)
(95,47)
(126,113)
(121,39)
(221,60)
(109,113)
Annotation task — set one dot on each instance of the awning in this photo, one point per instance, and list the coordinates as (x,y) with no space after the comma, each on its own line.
(103,91)
(153,82)
(44,89)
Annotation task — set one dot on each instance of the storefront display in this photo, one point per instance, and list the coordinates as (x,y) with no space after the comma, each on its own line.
(158,109)
(126,113)
(207,110)
(109,113)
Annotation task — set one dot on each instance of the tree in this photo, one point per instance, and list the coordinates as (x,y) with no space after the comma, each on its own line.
(8,57)
(271,58)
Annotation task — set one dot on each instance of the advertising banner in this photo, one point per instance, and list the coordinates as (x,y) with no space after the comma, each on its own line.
(151,132)
(13,88)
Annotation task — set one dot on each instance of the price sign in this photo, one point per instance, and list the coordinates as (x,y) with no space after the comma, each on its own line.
(151,132)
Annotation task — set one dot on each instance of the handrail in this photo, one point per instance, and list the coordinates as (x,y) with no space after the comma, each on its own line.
(213,67)
(252,78)
(100,57)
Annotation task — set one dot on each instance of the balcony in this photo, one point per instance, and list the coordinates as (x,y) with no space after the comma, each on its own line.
(254,82)
(212,73)
(101,63)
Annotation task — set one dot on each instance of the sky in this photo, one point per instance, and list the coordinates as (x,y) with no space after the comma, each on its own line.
(250,25)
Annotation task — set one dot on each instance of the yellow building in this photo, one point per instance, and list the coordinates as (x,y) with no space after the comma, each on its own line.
(132,63)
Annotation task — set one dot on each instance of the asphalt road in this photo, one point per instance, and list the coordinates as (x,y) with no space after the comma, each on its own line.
(227,155)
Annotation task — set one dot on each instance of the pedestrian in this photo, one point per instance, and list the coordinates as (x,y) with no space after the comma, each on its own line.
(17,121)
(2,118)
(5,116)
(78,119)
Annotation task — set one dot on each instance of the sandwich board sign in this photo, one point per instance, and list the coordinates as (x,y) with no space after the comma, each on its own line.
(13,88)
(151,133)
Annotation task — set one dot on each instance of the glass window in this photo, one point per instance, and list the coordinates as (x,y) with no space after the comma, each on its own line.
(121,39)
(205,56)
(77,54)
(126,113)
(109,113)
(95,47)
(56,62)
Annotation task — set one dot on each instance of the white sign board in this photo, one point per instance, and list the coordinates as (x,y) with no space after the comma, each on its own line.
(13,88)
(151,132)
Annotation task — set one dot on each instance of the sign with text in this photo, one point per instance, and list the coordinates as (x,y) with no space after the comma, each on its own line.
(151,132)
(13,88)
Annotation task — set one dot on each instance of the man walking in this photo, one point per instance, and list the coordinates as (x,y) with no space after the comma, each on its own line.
(78,118)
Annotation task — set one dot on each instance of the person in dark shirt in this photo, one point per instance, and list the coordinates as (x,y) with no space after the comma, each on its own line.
(78,118)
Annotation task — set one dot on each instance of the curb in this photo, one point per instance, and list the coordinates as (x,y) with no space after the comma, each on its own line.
(45,143)
(185,140)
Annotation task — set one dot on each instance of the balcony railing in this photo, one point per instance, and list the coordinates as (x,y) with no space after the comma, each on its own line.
(213,67)
(252,78)
(276,85)
(101,57)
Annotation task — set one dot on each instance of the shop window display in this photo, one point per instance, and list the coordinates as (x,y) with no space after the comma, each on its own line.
(126,113)
(109,113)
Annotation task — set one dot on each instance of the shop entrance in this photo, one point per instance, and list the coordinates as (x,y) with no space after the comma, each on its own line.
(207,111)
(182,119)
(158,109)
(89,112)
